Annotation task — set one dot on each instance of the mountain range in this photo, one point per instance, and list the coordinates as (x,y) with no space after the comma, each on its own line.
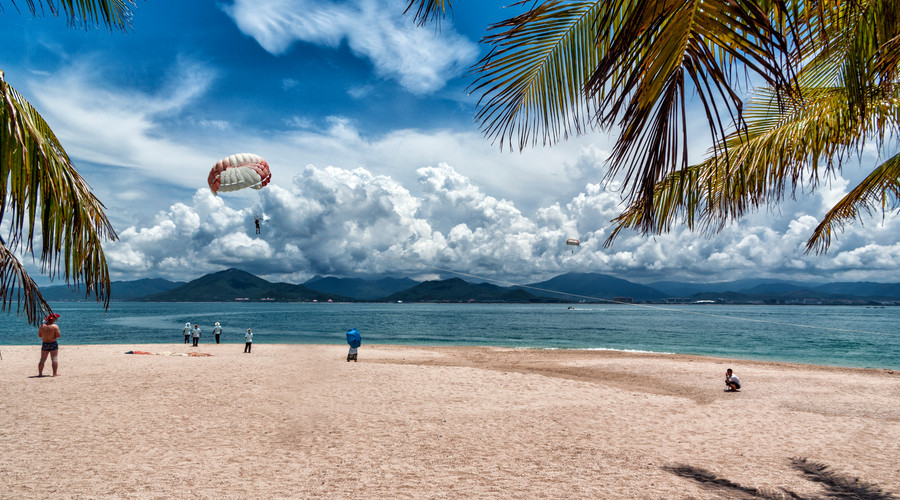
(235,284)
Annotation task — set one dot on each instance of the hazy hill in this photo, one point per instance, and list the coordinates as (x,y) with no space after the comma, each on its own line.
(119,290)
(360,289)
(457,290)
(579,286)
(231,284)
(861,289)
(680,289)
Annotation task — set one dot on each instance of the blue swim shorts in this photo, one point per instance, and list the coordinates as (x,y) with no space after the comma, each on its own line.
(49,346)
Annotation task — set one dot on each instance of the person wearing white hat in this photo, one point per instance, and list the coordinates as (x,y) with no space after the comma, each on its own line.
(187,332)
(217,330)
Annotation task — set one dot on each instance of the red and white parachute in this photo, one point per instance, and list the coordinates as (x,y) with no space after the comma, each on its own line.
(239,171)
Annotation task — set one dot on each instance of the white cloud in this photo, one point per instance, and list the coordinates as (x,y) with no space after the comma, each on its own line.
(406,202)
(419,58)
(343,222)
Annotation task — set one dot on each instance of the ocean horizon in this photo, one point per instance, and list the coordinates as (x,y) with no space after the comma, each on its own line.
(849,336)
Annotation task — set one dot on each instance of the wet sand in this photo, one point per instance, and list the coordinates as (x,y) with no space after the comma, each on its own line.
(298,421)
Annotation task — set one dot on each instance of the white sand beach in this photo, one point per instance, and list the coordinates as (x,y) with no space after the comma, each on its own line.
(297,421)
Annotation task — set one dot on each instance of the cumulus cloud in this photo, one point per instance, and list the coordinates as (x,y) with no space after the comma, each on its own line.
(419,58)
(334,221)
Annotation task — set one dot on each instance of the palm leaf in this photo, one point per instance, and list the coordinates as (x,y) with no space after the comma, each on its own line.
(39,184)
(428,10)
(879,191)
(532,81)
(16,284)
(665,51)
(113,14)
(779,153)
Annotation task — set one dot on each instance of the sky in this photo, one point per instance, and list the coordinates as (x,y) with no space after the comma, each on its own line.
(378,165)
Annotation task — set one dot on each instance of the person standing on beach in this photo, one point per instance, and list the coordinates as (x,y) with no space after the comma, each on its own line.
(196,334)
(732,383)
(217,330)
(248,340)
(49,333)
(187,332)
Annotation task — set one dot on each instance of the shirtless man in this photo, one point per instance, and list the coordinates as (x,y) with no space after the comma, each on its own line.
(49,333)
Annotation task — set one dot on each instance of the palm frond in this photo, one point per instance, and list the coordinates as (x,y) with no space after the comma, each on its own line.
(665,51)
(38,183)
(879,191)
(16,284)
(779,153)
(428,10)
(113,14)
(532,81)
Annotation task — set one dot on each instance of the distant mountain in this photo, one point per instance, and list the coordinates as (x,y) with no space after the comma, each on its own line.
(579,286)
(457,290)
(766,290)
(119,290)
(234,284)
(360,289)
(679,289)
(861,289)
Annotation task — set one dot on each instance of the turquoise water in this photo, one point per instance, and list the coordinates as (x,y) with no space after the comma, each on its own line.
(852,336)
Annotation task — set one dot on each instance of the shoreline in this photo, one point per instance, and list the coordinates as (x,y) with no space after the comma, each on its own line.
(463,346)
(297,420)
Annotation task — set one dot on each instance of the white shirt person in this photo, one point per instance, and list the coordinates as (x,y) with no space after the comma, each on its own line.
(248,340)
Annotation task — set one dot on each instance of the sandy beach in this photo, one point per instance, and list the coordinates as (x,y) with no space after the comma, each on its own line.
(297,421)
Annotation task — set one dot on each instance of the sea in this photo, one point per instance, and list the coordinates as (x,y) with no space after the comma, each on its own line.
(850,336)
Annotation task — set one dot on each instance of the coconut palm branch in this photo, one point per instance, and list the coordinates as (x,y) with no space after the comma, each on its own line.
(43,192)
(532,81)
(428,10)
(565,66)
(16,285)
(794,146)
(40,190)
(781,152)
(113,14)
(879,191)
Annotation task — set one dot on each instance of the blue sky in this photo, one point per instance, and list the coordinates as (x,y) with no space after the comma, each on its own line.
(378,165)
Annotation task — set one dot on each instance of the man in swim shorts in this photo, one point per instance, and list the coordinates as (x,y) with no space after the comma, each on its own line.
(49,333)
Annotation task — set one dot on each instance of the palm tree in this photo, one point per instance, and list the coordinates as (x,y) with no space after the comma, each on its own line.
(825,78)
(39,184)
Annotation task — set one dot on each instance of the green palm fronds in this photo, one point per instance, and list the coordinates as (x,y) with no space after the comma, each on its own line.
(428,10)
(16,285)
(41,188)
(880,191)
(533,80)
(825,74)
(113,14)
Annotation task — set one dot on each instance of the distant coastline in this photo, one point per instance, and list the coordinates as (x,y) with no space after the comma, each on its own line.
(234,285)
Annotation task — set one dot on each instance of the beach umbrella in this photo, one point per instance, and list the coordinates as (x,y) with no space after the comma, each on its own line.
(353,338)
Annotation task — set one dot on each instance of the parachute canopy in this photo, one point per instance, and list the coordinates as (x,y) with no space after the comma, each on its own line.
(354,338)
(243,170)
(573,242)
